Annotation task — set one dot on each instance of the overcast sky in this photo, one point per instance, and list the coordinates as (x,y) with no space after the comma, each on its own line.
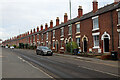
(20,16)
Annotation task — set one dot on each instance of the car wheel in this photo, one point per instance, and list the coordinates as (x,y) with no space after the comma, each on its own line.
(42,53)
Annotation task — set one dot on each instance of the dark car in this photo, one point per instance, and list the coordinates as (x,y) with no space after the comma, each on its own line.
(43,50)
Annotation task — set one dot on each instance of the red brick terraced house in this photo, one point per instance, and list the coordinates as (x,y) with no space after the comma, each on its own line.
(97,31)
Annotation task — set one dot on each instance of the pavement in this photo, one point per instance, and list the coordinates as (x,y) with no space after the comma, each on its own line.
(14,66)
(93,60)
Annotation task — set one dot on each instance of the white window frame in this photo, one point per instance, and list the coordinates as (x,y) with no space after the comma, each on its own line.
(78,42)
(42,36)
(33,38)
(93,18)
(53,44)
(53,33)
(37,36)
(69,29)
(77,32)
(62,32)
(118,10)
(96,34)
(47,36)
(61,44)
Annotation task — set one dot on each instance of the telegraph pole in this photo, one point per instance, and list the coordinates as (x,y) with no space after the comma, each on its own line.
(70,24)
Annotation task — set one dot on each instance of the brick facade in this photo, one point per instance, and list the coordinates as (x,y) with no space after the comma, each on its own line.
(107,31)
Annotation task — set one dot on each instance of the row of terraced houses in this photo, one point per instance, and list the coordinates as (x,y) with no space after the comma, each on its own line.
(97,31)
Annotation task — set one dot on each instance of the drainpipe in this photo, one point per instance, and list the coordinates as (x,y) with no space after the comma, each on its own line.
(112,32)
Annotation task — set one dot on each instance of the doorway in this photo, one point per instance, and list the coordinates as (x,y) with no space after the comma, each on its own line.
(106,43)
(84,45)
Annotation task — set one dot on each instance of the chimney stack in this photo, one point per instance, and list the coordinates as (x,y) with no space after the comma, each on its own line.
(31,31)
(57,21)
(116,1)
(46,26)
(41,27)
(80,11)
(51,24)
(95,6)
(65,18)
(34,30)
(28,32)
(37,28)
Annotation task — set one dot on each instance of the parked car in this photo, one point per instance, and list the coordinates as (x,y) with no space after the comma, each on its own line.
(6,46)
(11,47)
(43,50)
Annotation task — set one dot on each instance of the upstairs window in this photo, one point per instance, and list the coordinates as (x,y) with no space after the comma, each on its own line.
(118,17)
(37,36)
(77,28)
(70,29)
(62,31)
(95,23)
(34,38)
(42,36)
(47,36)
(54,34)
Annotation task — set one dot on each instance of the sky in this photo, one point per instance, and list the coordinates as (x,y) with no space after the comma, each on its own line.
(20,16)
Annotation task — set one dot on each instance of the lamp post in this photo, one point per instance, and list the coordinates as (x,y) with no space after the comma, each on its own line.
(70,24)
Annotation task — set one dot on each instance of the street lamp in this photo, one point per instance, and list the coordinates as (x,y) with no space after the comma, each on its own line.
(70,24)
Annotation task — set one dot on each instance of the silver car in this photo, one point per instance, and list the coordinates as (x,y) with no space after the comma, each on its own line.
(43,50)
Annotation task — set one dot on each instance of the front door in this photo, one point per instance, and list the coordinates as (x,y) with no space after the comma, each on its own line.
(57,47)
(85,45)
(106,45)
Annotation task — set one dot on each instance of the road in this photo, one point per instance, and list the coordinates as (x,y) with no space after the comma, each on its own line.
(18,63)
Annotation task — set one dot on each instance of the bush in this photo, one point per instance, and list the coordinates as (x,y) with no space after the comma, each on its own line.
(14,46)
(74,46)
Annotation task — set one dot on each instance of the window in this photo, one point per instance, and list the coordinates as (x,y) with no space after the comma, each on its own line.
(119,39)
(70,29)
(78,41)
(96,40)
(34,38)
(118,17)
(54,34)
(77,28)
(62,31)
(37,36)
(61,43)
(95,23)
(47,36)
(42,36)
(53,44)
(47,44)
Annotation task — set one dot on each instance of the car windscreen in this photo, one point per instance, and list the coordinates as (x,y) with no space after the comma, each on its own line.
(44,47)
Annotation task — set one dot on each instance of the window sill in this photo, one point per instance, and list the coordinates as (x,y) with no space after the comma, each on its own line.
(118,47)
(96,47)
(95,29)
(62,36)
(53,48)
(69,34)
(62,48)
(118,25)
(53,37)
(78,33)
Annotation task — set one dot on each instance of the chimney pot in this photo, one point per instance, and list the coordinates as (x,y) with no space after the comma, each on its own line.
(37,28)
(34,30)
(80,11)
(41,27)
(57,21)
(65,18)
(95,6)
(51,24)
(46,26)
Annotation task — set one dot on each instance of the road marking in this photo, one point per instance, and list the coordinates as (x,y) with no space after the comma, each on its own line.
(99,71)
(35,67)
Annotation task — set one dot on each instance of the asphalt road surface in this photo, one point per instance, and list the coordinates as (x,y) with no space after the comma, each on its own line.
(18,63)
